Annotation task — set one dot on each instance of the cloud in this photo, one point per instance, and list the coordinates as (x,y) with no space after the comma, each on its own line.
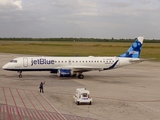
(11,4)
(80,18)
(77,7)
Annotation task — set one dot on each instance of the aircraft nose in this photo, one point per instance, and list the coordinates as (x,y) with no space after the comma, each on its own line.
(5,67)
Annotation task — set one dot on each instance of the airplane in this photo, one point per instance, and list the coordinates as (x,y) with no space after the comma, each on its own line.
(71,66)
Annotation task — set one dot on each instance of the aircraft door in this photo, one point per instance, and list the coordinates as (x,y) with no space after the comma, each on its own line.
(25,62)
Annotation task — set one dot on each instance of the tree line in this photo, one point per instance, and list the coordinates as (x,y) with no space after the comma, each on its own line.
(77,40)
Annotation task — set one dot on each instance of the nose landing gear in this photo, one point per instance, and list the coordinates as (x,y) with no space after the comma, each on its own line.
(20,74)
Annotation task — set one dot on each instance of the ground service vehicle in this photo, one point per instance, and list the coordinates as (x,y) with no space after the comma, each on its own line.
(82,96)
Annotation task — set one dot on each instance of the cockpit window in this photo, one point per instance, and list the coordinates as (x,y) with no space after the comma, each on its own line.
(13,61)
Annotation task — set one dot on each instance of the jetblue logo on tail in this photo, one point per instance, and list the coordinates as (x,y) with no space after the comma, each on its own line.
(135,49)
(133,52)
(41,61)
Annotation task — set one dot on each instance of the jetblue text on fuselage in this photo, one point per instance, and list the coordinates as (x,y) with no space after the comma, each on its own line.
(42,61)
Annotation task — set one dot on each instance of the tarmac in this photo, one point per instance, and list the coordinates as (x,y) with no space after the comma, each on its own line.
(127,93)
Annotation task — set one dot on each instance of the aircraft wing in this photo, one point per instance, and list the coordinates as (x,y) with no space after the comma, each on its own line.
(87,68)
(81,68)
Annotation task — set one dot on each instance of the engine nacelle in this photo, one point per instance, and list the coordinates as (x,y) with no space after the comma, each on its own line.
(64,73)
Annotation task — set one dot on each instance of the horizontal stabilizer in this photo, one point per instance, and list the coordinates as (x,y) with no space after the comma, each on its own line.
(140,60)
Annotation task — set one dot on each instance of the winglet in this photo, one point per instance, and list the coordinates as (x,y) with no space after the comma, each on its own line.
(135,49)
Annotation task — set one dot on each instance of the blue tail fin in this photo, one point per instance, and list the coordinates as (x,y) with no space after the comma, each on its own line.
(135,49)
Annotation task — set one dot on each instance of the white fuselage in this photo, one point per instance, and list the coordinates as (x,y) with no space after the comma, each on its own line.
(77,63)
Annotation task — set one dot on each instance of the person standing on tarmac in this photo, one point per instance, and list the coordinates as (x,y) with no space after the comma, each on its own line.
(41,87)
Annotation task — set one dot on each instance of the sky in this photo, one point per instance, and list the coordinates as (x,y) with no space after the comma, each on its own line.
(80,18)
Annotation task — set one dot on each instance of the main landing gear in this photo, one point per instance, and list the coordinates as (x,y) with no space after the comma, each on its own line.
(80,76)
(20,74)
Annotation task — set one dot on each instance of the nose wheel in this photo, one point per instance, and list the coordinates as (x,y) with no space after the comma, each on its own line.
(20,74)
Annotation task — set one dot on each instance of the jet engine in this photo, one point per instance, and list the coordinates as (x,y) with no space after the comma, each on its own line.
(64,73)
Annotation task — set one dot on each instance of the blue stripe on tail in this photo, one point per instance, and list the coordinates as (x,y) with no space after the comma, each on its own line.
(135,50)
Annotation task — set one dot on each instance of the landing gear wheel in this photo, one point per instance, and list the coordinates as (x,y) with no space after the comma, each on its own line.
(20,75)
(77,103)
(80,76)
(90,103)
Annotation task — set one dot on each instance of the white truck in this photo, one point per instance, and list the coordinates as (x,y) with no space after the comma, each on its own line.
(82,96)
